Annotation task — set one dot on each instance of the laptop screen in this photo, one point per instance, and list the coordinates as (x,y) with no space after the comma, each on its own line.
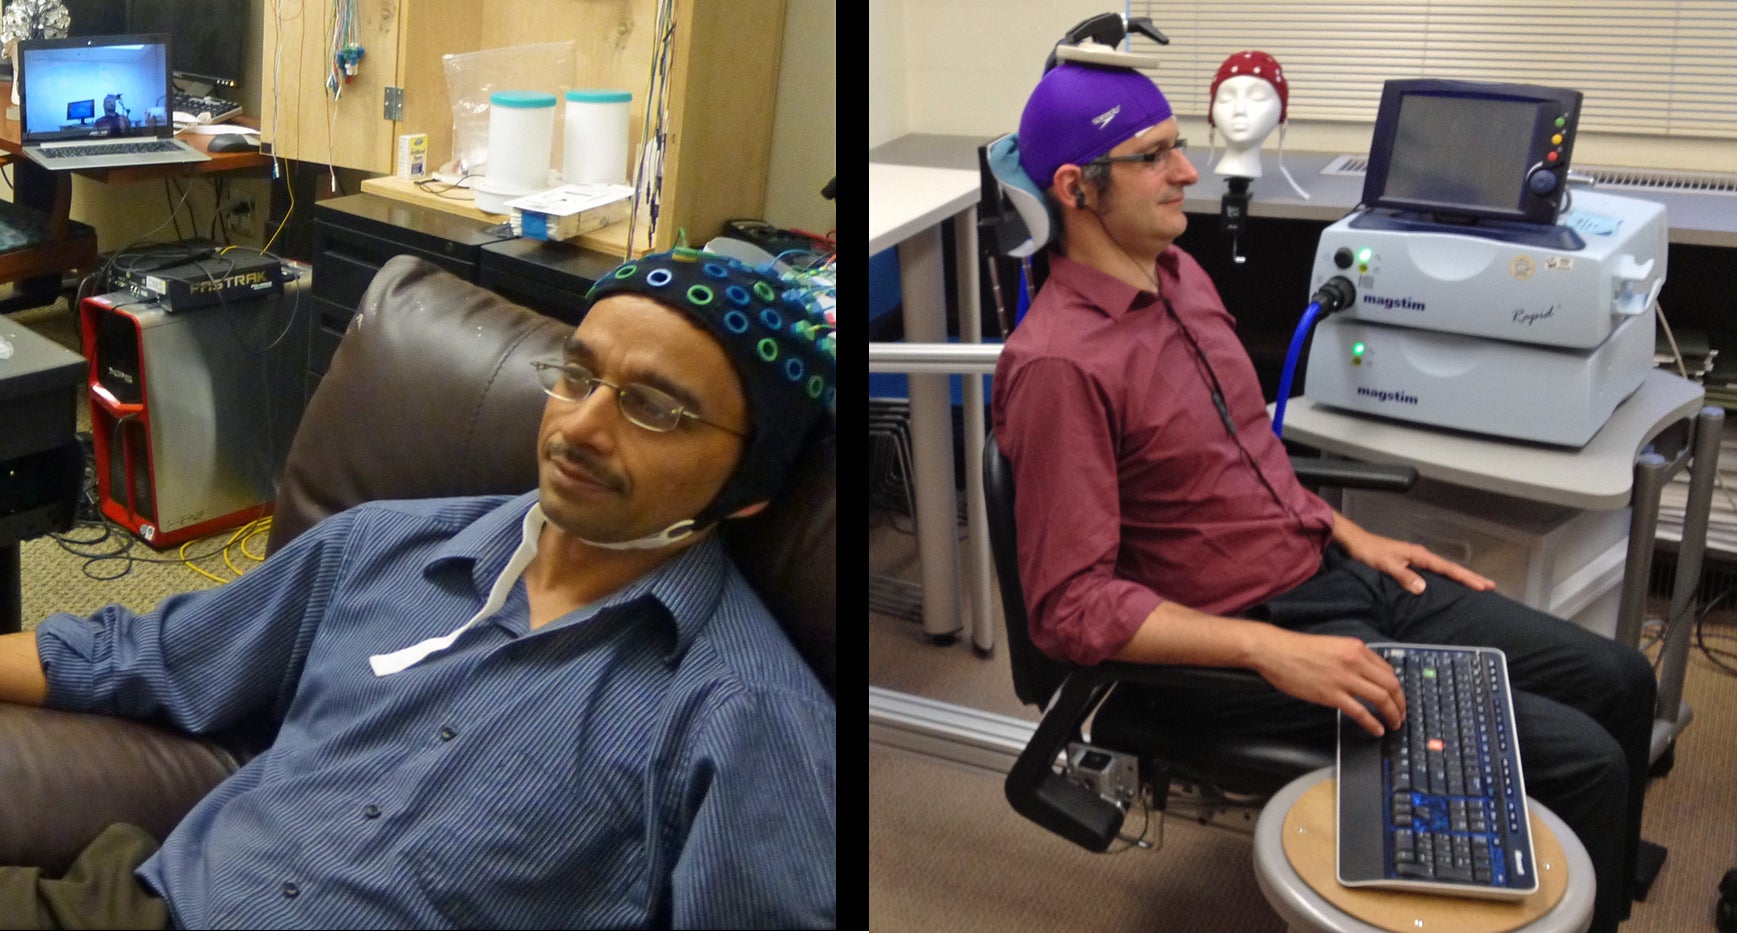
(124,79)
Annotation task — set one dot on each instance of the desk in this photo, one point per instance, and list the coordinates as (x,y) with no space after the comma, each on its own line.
(1697,218)
(41,465)
(1614,469)
(906,205)
(50,192)
(220,161)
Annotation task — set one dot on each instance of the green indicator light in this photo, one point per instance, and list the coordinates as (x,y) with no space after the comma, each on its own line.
(1357,349)
(1561,122)
(1429,672)
(1364,255)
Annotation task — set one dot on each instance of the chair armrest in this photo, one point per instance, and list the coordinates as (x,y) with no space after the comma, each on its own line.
(1351,474)
(66,776)
(1050,800)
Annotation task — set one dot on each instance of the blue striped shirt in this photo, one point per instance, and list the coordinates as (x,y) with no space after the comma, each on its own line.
(660,758)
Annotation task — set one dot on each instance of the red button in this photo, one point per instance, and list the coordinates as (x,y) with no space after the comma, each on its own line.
(1436,745)
(1551,157)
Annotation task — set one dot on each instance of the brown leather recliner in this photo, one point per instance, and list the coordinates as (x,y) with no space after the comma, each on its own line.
(429,394)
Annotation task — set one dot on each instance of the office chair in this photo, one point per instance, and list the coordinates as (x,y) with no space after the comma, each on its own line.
(39,243)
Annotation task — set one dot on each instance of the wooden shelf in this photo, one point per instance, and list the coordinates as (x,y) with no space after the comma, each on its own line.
(611,240)
(722,87)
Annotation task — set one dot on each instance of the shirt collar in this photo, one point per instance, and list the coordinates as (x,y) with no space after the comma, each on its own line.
(687,587)
(1111,295)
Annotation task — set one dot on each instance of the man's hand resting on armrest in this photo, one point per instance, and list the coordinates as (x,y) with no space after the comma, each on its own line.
(21,677)
(1333,671)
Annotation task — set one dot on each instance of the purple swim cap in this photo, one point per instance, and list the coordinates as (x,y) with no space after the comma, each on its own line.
(1079,112)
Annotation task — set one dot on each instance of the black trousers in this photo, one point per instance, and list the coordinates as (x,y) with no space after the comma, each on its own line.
(1583,704)
(99,891)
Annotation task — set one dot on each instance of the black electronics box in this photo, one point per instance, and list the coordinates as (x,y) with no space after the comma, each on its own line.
(219,279)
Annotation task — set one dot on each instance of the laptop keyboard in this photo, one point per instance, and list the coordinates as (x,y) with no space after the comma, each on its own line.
(1439,803)
(144,147)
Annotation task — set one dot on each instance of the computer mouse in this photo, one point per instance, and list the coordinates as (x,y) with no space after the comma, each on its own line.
(231,142)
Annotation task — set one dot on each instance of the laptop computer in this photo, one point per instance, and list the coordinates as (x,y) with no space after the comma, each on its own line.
(95,102)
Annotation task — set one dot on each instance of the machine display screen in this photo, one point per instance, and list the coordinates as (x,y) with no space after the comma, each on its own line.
(1471,151)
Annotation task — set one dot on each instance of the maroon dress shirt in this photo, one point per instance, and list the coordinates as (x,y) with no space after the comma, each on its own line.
(1132,487)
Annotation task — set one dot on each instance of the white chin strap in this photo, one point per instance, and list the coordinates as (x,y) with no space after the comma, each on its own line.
(664,538)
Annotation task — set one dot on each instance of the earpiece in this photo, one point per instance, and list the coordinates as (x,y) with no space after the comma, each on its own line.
(1079,199)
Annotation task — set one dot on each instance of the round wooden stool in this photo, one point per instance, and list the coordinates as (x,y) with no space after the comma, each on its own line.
(1295,854)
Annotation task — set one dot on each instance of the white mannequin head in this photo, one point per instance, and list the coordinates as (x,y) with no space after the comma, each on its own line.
(1249,98)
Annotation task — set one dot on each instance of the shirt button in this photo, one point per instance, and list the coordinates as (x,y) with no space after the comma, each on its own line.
(446,734)
(290,889)
(371,811)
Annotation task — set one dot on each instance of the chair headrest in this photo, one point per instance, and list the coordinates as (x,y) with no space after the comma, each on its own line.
(1022,193)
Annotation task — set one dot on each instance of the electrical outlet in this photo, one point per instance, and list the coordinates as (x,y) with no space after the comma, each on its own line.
(240,217)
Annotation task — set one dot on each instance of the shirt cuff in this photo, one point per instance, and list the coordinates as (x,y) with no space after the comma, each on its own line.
(72,649)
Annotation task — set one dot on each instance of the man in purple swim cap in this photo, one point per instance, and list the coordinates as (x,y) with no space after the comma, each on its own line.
(1161,521)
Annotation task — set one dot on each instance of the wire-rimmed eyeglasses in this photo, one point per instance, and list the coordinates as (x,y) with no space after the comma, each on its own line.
(651,409)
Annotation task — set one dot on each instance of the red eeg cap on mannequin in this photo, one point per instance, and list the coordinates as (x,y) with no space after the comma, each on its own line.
(1253,64)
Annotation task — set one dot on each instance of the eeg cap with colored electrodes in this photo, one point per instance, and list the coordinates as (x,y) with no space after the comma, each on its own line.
(781,346)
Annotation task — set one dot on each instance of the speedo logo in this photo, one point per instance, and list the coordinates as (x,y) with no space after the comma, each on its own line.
(1403,304)
(1381,395)
(1103,119)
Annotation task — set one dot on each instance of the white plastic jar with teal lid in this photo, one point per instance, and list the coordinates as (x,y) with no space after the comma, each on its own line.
(595,138)
(521,140)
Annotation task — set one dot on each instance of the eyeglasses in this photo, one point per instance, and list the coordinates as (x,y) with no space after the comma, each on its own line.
(651,409)
(1158,158)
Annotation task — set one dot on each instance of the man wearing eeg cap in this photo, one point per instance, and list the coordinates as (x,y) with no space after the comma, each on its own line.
(787,381)
(1160,520)
(616,733)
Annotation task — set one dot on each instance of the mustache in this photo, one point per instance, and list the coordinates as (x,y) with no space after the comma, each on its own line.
(584,461)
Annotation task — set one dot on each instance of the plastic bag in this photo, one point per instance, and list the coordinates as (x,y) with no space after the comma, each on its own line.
(472,76)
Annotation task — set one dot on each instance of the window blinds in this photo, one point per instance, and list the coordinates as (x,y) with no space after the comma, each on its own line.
(1665,69)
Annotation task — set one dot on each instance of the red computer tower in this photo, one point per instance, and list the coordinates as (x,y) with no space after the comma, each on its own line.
(192,412)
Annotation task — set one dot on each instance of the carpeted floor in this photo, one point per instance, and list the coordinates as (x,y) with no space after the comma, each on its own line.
(947,853)
(95,564)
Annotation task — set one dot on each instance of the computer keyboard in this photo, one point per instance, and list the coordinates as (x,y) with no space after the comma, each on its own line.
(143,146)
(195,105)
(1439,804)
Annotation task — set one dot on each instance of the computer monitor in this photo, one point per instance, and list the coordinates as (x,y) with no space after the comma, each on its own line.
(80,110)
(96,17)
(1463,151)
(209,36)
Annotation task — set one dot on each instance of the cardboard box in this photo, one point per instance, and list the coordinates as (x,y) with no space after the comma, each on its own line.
(570,211)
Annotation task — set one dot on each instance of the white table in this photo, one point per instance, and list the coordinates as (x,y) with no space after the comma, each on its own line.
(1613,470)
(907,204)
